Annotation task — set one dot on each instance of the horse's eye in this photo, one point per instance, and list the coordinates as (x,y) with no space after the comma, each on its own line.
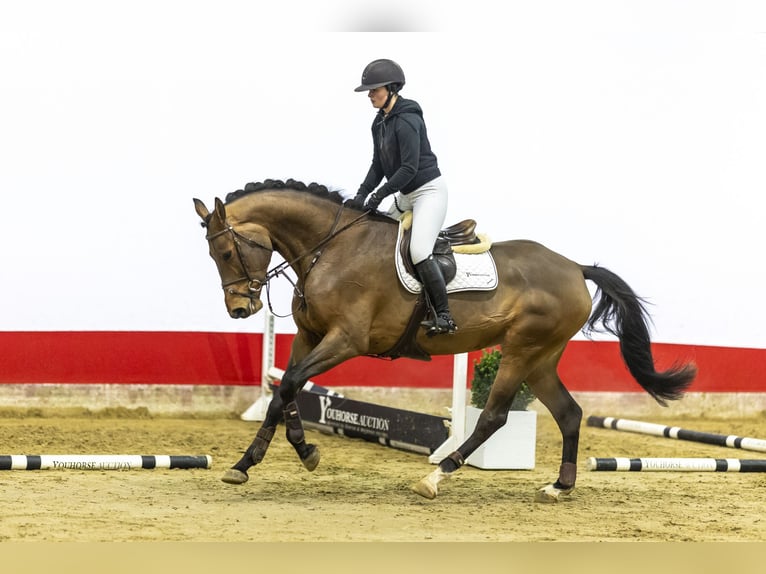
(226,256)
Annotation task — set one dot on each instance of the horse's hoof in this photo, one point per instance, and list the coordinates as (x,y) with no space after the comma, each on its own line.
(550,494)
(312,459)
(428,487)
(234,476)
(425,489)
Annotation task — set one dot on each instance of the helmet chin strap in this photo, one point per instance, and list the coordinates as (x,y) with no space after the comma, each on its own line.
(391,94)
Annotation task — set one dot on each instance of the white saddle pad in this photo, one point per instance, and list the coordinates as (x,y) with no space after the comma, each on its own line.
(475,272)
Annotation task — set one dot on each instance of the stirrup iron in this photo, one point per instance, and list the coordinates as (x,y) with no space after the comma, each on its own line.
(440,323)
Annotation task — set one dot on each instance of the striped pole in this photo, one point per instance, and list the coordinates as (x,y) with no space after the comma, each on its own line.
(677,464)
(732,441)
(101,461)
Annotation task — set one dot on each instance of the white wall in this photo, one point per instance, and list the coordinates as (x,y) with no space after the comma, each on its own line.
(625,133)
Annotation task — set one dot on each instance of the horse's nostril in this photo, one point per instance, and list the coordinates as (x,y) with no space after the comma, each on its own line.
(239,313)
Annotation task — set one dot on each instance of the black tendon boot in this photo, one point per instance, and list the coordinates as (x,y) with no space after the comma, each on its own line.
(433,283)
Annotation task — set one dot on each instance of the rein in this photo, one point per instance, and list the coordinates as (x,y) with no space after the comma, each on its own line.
(256,285)
(317,251)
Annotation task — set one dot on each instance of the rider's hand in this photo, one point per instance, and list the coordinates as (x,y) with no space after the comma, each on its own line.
(357,202)
(373,201)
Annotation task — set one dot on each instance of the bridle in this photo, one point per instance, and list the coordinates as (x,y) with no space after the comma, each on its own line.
(255,285)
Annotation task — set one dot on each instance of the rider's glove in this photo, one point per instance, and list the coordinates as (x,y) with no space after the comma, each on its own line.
(373,201)
(357,201)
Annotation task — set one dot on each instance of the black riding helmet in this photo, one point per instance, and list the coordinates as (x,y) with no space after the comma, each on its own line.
(382,73)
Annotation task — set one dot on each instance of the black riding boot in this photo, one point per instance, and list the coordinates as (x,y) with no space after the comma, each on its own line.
(433,283)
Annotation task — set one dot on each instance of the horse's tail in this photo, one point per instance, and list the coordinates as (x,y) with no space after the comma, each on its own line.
(622,313)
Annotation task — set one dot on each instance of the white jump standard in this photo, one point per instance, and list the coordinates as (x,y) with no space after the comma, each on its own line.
(731,441)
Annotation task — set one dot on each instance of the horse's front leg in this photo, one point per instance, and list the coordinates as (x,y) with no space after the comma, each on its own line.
(308,453)
(254,454)
(332,350)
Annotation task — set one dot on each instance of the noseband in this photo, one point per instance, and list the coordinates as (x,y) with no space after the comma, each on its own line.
(254,285)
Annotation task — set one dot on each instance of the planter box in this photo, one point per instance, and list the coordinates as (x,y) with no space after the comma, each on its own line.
(511,447)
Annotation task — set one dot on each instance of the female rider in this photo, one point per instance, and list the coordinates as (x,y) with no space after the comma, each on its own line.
(402,154)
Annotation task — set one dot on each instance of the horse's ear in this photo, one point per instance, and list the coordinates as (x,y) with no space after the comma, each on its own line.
(220,209)
(201,209)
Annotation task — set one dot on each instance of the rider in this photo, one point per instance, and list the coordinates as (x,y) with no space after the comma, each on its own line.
(402,153)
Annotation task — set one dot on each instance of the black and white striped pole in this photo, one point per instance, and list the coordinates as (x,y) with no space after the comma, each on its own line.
(731,441)
(677,464)
(101,461)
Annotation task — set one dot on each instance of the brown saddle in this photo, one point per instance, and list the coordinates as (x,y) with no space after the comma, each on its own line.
(462,233)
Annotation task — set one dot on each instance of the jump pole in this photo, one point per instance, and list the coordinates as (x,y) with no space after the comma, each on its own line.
(732,441)
(678,464)
(101,461)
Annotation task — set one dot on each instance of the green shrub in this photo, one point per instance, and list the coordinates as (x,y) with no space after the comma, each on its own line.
(484,371)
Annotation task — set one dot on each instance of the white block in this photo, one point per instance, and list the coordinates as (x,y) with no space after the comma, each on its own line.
(512,447)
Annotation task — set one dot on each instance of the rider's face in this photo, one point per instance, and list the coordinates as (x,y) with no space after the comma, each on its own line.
(378,97)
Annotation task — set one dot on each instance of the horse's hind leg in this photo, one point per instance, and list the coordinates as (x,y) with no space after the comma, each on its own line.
(495,414)
(546,385)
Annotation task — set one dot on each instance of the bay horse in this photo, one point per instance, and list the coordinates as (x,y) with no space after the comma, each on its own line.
(348,301)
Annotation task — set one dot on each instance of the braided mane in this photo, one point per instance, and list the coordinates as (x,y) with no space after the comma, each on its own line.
(291,184)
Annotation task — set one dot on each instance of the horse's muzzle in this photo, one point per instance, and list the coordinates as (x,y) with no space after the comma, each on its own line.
(244,312)
(239,313)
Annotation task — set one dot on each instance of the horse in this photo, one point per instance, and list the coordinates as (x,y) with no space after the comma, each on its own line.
(348,301)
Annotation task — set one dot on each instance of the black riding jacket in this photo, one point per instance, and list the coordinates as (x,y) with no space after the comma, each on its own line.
(402,152)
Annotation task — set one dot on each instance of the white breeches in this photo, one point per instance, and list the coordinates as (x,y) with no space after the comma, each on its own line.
(428,204)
